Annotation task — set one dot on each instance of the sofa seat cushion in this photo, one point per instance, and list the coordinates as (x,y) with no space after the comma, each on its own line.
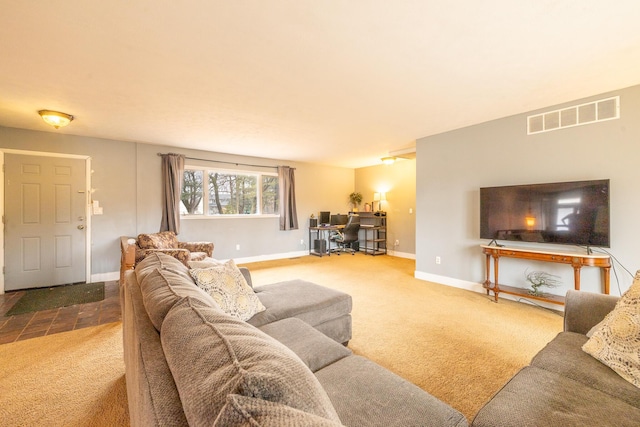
(366,394)
(537,397)
(314,304)
(249,411)
(314,348)
(564,356)
(212,355)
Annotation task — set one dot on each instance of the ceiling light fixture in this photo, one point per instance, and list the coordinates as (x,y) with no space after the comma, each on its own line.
(388,160)
(55,118)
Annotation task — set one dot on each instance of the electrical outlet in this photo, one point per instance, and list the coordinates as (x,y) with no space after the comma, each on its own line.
(438,260)
(302,241)
(397,243)
(237,247)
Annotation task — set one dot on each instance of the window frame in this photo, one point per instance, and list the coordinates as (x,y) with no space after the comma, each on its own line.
(205,193)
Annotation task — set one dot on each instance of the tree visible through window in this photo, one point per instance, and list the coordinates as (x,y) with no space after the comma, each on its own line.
(191,196)
(229,193)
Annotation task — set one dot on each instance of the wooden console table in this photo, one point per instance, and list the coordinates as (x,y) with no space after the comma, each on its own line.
(576,260)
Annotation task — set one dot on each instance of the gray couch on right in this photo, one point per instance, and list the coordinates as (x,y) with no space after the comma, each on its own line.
(563,385)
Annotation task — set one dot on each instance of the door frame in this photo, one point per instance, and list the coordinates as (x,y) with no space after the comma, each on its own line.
(87,205)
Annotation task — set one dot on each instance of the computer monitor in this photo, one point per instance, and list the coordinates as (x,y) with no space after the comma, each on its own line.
(325,218)
(339,219)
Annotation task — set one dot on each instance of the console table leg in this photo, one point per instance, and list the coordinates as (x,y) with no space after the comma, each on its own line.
(576,277)
(487,282)
(496,288)
(606,271)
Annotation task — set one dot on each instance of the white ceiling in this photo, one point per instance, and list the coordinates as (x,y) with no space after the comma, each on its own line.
(332,81)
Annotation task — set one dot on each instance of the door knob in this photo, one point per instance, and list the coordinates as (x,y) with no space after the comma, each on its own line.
(81,227)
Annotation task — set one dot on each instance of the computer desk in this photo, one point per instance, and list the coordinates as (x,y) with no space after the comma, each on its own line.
(322,233)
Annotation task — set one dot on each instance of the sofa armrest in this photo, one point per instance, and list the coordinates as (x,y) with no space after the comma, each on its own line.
(247,275)
(206,247)
(584,310)
(127,255)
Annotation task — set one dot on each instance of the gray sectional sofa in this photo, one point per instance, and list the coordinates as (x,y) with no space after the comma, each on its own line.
(563,385)
(189,363)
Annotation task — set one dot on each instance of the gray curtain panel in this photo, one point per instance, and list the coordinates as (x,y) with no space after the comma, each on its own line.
(287,196)
(172,176)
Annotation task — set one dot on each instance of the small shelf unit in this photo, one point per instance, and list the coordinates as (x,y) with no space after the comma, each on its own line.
(373,232)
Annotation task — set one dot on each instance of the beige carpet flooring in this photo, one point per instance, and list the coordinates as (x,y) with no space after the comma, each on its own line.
(457,345)
(73,379)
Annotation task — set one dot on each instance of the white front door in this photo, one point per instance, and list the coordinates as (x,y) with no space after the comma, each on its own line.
(45,224)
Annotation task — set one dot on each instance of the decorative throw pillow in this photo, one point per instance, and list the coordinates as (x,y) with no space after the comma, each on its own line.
(161,240)
(616,342)
(212,354)
(205,263)
(228,287)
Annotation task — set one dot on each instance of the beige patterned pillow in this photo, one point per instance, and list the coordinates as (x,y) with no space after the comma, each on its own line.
(228,287)
(616,342)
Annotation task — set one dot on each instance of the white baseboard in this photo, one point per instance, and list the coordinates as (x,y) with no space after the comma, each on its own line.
(115,275)
(270,257)
(477,287)
(105,277)
(401,254)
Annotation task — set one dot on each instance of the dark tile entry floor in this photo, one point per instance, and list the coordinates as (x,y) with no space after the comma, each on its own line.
(41,323)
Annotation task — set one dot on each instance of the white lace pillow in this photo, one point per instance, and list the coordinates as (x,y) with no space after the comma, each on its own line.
(228,287)
(616,340)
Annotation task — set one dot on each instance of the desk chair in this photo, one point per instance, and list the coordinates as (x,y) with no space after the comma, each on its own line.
(347,236)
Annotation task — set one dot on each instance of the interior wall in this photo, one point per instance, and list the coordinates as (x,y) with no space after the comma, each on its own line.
(126,182)
(317,188)
(398,181)
(451,168)
(113,166)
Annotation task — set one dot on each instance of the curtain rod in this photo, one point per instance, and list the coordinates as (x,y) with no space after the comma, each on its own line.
(228,163)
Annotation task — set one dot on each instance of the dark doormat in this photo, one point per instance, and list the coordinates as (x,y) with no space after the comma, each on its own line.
(56,297)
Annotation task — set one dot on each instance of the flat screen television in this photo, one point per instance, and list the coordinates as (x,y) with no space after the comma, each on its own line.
(568,213)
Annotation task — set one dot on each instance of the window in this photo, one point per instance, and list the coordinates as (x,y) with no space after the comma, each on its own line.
(228,193)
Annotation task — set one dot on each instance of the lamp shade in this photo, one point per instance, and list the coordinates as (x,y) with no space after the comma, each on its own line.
(376,197)
(55,118)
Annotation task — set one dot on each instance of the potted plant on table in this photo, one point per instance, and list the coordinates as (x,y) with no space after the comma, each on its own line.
(540,279)
(355,199)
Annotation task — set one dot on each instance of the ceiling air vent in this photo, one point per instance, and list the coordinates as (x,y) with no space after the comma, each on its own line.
(583,114)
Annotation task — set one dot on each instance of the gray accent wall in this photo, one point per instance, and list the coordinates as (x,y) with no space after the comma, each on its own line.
(452,166)
(126,182)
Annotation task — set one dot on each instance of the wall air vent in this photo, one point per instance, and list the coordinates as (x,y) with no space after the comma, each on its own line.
(583,114)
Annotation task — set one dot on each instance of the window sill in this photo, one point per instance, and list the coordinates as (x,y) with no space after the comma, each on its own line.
(201,217)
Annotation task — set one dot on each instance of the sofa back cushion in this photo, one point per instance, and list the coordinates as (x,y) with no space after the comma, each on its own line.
(161,240)
(212,355)
(163,287)
(162,261)
(249,411)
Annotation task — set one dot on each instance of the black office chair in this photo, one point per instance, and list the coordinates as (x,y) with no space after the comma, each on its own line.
(346,237)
